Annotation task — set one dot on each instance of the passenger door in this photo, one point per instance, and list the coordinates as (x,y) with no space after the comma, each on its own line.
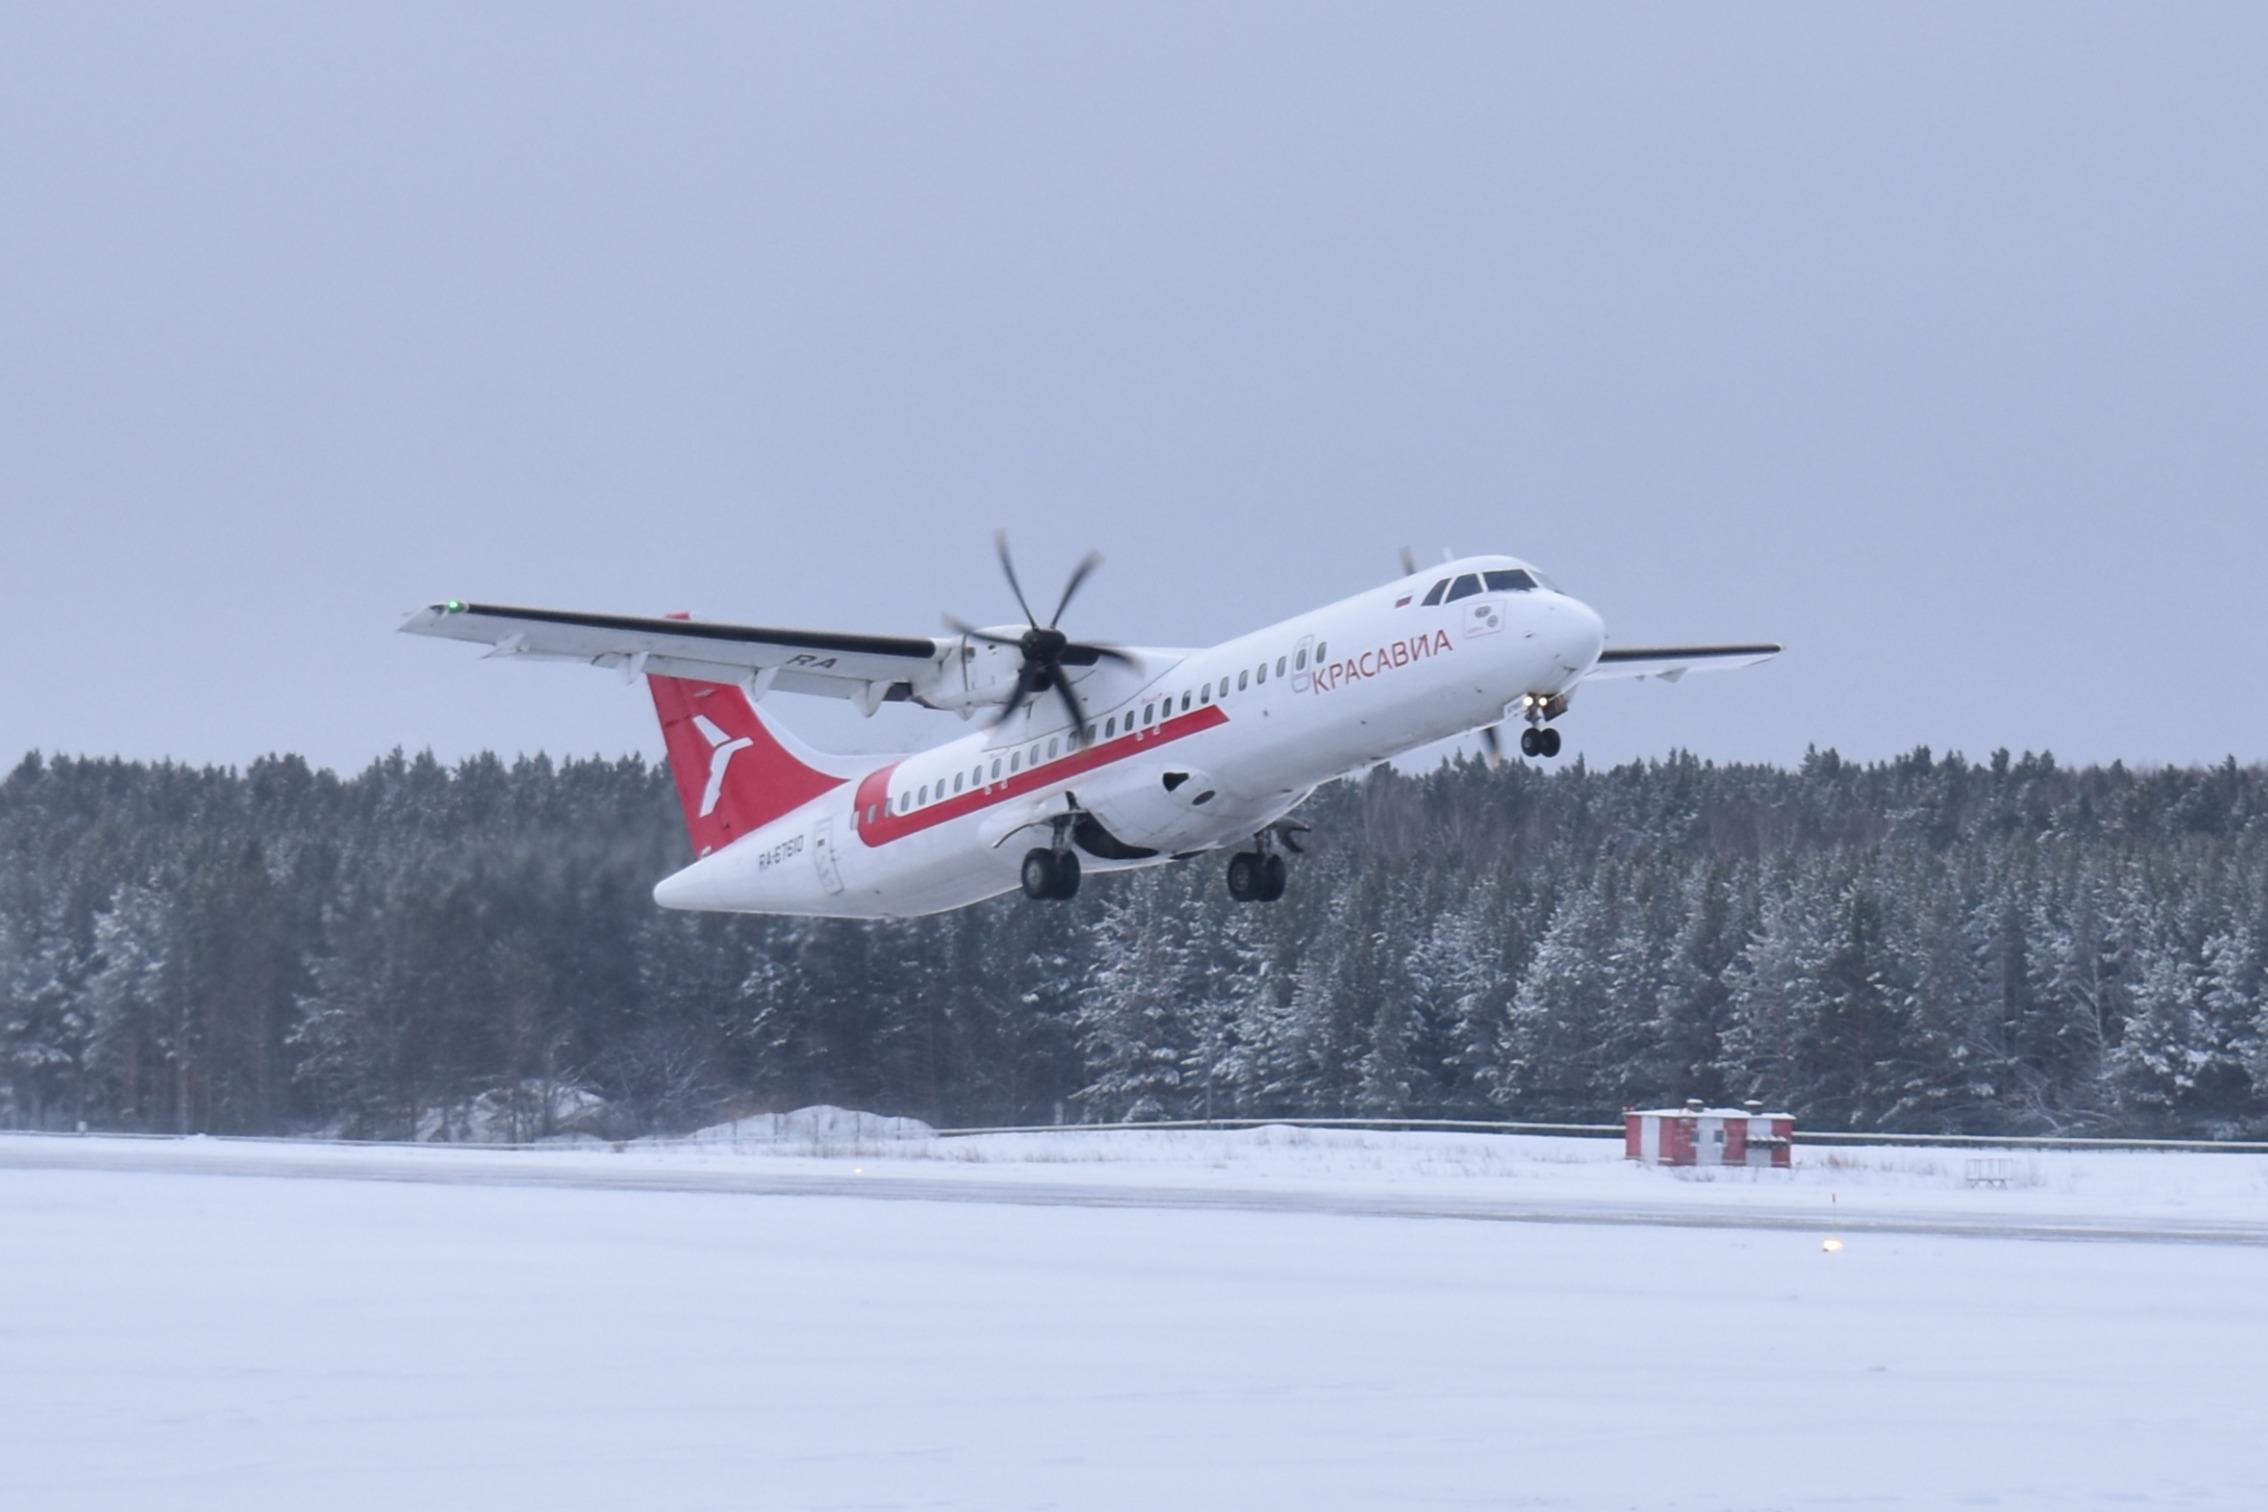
(823,856)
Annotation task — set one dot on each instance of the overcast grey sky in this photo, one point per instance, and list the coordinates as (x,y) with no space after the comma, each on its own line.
(1926,339)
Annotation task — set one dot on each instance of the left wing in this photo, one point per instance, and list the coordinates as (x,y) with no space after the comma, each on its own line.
(1669,663)
(867,669)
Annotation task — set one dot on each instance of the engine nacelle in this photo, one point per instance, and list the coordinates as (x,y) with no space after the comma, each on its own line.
(972,675)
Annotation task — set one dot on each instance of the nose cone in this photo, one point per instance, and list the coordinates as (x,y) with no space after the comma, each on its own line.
(1581,634)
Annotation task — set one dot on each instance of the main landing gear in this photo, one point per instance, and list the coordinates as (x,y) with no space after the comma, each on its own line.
(1051,874)
(1256,878)
(1539,741)
(1258,875)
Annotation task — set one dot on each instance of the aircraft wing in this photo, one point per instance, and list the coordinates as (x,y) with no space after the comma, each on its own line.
(869,669)
(1669,663)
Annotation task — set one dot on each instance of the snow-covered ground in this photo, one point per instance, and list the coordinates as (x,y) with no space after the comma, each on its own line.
(1114,1321)
(824,1151)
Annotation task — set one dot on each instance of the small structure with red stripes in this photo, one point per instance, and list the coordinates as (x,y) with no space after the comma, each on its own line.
(1695,1135)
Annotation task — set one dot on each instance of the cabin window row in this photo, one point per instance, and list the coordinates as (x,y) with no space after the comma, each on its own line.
(934,792)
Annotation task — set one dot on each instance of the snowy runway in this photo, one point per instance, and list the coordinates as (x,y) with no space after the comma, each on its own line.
(200,1341)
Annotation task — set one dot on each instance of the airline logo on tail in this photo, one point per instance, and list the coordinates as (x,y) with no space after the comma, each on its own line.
(721,752)
(733,772)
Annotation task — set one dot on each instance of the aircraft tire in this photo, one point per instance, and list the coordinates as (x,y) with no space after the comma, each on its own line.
(1531,743)
(1247,876)
(1273,875)
(1549,741)
(1066,867)
(1039,874)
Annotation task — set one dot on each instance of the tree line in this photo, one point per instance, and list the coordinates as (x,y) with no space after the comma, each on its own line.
(1923,944)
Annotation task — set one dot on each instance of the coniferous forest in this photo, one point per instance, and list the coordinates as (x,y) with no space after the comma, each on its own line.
(1926,944)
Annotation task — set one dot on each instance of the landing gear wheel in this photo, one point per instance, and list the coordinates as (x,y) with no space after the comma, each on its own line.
(1039,874)
(1066,876)
(1247,876)
(1531,742)
(1548,742)
(1273,876)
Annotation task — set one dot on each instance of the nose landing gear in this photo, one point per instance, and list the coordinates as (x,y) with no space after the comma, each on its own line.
(1538,739)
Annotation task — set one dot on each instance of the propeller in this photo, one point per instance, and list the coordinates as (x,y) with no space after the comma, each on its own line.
(1045,649)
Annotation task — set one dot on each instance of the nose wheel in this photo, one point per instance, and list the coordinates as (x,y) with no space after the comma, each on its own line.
(1539,739)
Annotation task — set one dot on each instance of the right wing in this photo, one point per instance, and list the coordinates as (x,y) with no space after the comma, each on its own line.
(1669,663)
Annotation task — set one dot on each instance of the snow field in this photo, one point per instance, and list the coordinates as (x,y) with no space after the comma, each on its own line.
(203,1341)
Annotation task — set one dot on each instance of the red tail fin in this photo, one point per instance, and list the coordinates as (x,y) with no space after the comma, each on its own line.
(734,771)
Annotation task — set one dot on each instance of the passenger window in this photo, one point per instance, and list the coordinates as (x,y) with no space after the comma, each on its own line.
(1051,749)
(956,782)
(1205,694)
(923,795)
(976,778)
(1015,760)
(1508,580)
(1322,653)
(995,769)
(1433,594)
(1465,587)
(1263,677)
(1224,687)
(1110,727)
(1185,703)
(1301,661)
(1243,681)
(1149,712)
(1279,666)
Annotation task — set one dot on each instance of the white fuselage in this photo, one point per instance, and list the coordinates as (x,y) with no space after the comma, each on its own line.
(1189,754)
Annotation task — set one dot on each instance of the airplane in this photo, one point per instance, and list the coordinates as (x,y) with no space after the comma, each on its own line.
(1143,755)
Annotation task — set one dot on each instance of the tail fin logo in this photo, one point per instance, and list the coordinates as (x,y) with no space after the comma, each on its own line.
(721,752)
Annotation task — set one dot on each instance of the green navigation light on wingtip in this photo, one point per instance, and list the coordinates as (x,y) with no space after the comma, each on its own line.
(455,606)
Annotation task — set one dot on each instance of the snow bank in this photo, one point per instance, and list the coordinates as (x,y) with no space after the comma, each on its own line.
(820,1130)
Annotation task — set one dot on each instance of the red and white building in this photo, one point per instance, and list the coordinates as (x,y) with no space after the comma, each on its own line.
(1699,1136)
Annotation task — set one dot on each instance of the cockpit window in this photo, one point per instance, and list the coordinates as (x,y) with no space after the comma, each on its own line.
(1509,580)
(1433,594)
(1466,586)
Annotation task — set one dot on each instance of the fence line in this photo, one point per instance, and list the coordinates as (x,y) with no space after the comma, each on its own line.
(1803,1136)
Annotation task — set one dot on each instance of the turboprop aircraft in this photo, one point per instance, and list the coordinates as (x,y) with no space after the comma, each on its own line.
(1092,756)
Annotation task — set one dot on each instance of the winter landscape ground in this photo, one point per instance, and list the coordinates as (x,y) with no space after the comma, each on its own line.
(1275,1318)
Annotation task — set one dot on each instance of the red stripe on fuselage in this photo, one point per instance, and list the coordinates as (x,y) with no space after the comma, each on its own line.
(874,787)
